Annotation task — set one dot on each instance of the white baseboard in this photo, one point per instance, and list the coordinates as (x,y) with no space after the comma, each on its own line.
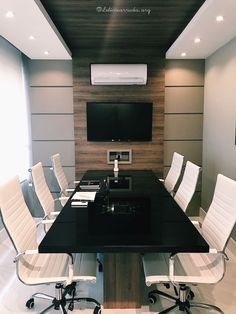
(231,246)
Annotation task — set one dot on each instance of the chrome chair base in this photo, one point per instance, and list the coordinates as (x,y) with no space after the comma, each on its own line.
(181,301)
(60,301)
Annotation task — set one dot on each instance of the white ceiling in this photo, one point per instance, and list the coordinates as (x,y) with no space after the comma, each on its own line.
(31,19)
(212,34)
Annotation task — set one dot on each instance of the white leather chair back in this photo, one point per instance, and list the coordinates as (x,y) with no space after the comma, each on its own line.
(174,172)
(221,215)
(188,185)
(16,217)
(59,173)
(41,188)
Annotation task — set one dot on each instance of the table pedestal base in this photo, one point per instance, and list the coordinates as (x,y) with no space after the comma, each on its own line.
(122,280)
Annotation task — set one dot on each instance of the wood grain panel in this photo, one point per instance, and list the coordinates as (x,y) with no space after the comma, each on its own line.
(122,280)
(93,155)
(137,23)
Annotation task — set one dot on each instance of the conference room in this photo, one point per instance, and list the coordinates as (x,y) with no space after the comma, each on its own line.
(134,102)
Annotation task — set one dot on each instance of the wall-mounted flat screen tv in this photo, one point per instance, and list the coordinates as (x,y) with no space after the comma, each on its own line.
(116,121)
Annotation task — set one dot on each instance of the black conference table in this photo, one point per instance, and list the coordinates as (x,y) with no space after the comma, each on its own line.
(131,214)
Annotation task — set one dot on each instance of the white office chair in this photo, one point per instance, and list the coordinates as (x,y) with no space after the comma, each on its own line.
(188,185)
(34,268)
(61,178)
(174,172)
(184,269)
(43,193)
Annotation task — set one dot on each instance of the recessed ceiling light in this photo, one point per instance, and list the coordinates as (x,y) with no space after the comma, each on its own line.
(31,37)
(183,54)
(220,18)
(197,40)
(46,52)
(9,14)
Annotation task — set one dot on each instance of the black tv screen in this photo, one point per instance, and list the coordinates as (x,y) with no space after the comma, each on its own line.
(115,121)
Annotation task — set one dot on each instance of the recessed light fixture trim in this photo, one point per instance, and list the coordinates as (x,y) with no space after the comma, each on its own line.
(219,18)
(9,14)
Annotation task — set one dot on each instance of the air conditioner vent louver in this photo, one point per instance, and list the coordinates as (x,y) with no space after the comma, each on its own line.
(118,74)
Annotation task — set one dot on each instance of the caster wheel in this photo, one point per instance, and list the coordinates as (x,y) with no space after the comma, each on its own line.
(30,303)
(152,299)
(97,310)
(191,295)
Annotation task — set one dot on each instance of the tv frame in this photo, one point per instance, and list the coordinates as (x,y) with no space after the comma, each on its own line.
(148,139)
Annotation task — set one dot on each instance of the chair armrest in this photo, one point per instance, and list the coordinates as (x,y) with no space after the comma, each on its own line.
(196,223)
(55,213)
(48,221)
(70,190)
(173,255)
(72,183)
(215,251)
(45,221)
(27,252)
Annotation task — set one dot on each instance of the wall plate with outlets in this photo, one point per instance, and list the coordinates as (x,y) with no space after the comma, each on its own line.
(124,156)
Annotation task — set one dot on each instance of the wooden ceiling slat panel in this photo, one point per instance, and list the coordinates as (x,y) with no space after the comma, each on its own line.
(82,26)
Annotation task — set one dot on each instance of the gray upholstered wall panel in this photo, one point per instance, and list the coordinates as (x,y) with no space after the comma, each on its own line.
(183,127)
(52,127)
(43,150)
(51,100)
(192,150)
(52,117)
(184,99)
(184,73)
(50,73)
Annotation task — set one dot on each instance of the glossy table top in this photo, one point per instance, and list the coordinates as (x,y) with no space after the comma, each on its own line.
(131,213)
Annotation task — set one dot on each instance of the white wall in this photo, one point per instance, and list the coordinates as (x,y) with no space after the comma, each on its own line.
(15,139)
(14,124)
(219,149)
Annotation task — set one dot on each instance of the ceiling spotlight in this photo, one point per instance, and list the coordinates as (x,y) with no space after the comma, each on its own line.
(220,18)
(31,37)
(46,52)
(197,40)
(9,14)
(183,54)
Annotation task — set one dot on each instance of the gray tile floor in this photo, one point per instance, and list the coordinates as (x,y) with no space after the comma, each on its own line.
(13,294)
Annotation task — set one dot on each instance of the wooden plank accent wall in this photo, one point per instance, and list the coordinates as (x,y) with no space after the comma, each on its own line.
(93,155)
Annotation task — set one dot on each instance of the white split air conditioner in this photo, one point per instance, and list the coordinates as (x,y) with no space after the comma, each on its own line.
(118,74)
